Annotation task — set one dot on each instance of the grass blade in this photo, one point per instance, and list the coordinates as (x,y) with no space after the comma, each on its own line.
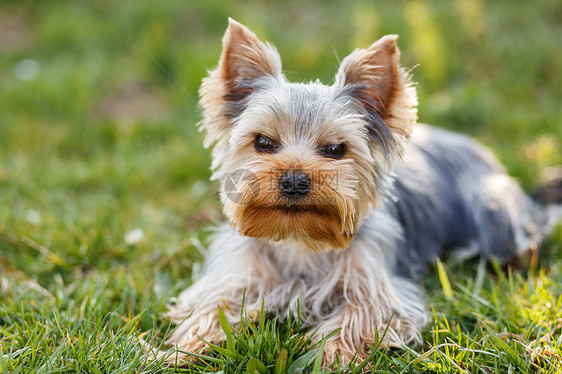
(281,362)
(230,342)
(318,361)
(444,279)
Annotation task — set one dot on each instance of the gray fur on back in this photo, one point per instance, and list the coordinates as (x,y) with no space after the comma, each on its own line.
(450,193)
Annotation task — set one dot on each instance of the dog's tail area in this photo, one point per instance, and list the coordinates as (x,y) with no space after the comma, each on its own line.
(549,195)
(553,217)
(550,191)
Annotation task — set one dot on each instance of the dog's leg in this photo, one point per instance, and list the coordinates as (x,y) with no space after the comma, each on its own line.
(194,326)
(230,271)
(375,303)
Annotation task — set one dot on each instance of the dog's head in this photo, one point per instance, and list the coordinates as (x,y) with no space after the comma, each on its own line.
(304,162)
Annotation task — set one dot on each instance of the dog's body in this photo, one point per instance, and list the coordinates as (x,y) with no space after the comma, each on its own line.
(452,194)
(359,203)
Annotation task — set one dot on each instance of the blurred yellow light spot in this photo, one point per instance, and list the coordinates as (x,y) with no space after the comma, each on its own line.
(428,45)
(307,54)
(544,150)
(470,12)
(366,25)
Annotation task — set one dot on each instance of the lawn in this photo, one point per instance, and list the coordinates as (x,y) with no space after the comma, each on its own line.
(105,199)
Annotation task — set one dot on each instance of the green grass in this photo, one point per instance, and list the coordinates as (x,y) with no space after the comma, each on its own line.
(98,105)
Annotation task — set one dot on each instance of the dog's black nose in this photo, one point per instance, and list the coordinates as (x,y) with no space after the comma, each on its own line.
(294,185)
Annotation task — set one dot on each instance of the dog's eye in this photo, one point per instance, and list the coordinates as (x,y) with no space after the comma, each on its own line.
(334,150)
(265,144)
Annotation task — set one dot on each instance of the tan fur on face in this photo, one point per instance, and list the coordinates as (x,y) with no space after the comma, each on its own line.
(325,218)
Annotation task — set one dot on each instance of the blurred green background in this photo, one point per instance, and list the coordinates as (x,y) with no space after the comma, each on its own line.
(102,173)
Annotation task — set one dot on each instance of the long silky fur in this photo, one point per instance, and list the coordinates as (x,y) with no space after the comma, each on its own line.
(326,286)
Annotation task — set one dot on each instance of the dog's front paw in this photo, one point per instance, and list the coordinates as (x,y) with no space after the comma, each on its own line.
(192,336)
(353,344)
(185,349)
(336,348)
(181,356)
(399,332)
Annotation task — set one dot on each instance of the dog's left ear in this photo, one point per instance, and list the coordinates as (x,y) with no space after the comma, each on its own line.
(243,62)
(374,78)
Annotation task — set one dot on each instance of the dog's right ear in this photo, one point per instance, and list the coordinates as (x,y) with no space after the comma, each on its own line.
(383,89)
(223,93)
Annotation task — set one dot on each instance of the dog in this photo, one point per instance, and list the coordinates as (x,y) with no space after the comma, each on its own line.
(338,199)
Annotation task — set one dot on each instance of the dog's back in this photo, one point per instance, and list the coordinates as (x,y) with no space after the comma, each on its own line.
(450,193)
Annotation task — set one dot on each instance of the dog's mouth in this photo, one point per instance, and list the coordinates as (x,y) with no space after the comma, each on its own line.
(299,208)
(299,205)
(318,227)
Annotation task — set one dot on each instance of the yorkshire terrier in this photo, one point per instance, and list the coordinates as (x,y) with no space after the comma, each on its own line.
(337,200)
